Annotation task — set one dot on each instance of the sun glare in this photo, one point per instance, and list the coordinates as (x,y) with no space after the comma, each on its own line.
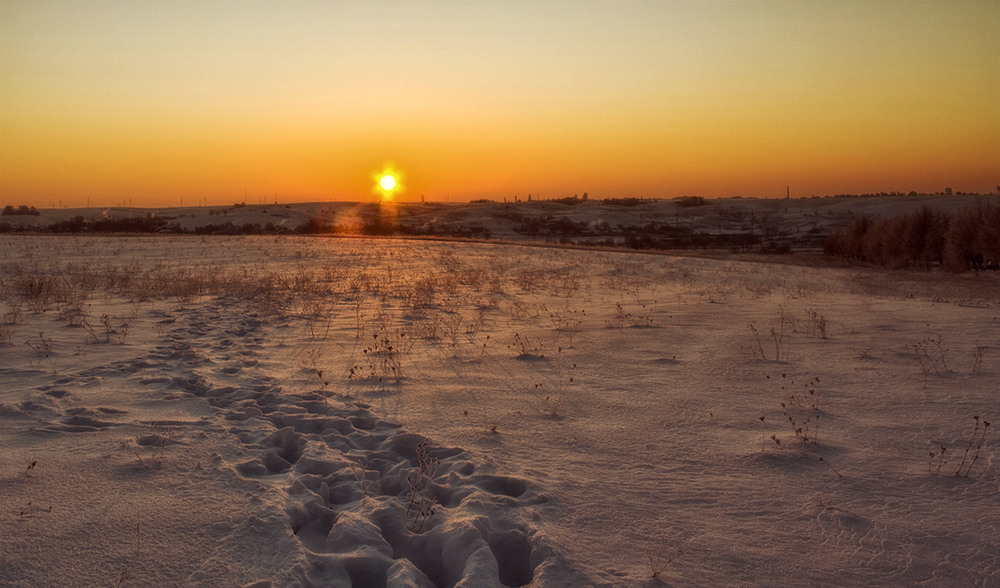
(387,182)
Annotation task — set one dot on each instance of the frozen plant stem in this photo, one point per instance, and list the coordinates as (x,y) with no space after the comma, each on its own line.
(975,456)
(975,432)
(360,471)
(127,445)
(940,457)
(823,461)
(977,362)
(977,439)
(760,346)
(421,507)
(660,557)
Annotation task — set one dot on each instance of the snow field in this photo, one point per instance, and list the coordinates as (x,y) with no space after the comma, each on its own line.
(355,412)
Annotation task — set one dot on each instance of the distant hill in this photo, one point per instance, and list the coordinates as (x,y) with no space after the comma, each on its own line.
(741,224)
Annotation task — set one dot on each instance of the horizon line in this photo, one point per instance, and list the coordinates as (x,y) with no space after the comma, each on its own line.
(516,199)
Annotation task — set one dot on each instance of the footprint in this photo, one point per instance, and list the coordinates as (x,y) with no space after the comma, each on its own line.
(513,554)
(289,444)
(80,424)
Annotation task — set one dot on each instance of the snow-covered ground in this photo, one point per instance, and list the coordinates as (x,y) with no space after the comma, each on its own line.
(261,411)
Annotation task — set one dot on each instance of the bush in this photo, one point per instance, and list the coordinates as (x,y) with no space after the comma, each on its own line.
(623,201)
(690,201)
(22,210)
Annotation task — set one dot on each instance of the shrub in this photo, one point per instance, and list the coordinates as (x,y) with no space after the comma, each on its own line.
(20,210)
(690,201)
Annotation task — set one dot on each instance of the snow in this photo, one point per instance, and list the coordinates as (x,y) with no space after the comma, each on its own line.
(293,411)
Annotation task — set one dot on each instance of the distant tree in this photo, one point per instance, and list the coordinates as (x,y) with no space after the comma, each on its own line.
(20,210)
(76,224)
(962,238)
(968,239)
(947,191)
(923,237)
(888,248)
(989,235)
(690,201)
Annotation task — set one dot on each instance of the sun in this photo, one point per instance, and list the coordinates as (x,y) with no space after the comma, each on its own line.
(387,182)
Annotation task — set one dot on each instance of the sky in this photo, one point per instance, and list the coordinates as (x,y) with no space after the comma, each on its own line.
(178,102)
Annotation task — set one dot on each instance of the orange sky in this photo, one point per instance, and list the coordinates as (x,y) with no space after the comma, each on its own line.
(155,103)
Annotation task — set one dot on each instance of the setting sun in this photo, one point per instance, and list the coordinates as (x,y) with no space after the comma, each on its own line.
(387,183)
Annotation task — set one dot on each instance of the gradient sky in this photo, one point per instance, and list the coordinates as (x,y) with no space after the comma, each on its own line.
(162,102)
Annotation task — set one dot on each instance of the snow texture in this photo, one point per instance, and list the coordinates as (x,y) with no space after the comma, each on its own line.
(262,412)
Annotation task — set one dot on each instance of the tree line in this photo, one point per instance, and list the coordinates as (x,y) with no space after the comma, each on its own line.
(967,239)
(20,210)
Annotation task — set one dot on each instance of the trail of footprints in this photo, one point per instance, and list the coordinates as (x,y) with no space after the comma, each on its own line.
(350,484)
(356,502)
